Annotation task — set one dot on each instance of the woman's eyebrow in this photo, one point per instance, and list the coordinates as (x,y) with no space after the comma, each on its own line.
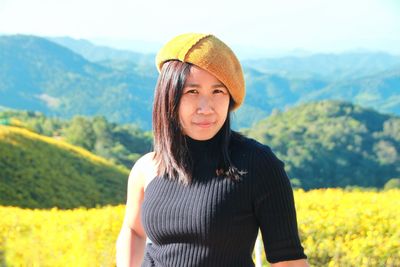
(219,85)
(198,85)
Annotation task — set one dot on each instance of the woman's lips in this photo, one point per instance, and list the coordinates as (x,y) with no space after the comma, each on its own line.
(204,124)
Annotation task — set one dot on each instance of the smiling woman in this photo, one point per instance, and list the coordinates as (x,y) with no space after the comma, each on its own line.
(201,197)
(203,106)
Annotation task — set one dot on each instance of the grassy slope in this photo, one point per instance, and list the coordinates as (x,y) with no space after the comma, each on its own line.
(41,172)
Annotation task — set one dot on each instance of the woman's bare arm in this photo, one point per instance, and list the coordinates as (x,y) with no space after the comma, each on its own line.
(132,238)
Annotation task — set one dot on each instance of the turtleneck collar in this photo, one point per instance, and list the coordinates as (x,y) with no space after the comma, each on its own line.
(211,145)
(205,155)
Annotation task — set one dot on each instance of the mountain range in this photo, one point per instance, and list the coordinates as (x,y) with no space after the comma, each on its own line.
(63,77)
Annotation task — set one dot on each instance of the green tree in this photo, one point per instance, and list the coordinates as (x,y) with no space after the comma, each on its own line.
(81,133)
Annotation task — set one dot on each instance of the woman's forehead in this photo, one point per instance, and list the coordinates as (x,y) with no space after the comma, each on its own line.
(197,75)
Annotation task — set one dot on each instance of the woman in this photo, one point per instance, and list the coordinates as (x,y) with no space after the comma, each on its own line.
(200,198)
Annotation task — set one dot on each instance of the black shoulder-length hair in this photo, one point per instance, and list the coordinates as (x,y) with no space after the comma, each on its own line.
(170,147)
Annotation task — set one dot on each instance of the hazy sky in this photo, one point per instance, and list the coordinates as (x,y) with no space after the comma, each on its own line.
(279,25)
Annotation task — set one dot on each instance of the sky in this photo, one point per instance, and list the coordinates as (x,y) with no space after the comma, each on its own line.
(248,26)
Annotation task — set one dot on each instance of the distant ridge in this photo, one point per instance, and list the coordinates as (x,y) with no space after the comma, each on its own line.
(97,53)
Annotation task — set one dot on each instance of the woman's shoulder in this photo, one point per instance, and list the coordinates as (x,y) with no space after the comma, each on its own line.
(145,159)
(255,152)
(144,169)
(247,144)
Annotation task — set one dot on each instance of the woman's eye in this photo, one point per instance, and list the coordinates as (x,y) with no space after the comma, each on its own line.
(219,91)
(193,91)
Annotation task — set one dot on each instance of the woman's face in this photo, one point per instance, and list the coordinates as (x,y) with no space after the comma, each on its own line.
(203,105)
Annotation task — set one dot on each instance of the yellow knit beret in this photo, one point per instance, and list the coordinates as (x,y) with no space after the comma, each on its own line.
(209,53)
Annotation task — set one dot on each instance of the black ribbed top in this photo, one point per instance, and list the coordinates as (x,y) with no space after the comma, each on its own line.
(214,221)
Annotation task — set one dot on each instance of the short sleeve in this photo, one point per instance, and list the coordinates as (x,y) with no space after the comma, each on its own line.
(274,208)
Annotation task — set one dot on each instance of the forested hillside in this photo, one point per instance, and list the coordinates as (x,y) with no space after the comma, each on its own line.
(333,144)
(323,144)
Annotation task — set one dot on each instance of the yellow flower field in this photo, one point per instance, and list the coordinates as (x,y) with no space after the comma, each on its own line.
(340,228)
(337,228)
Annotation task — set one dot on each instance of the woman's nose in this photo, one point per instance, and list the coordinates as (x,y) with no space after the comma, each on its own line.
(205,105)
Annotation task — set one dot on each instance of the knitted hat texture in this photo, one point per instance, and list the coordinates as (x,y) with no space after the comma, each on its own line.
(209,53)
